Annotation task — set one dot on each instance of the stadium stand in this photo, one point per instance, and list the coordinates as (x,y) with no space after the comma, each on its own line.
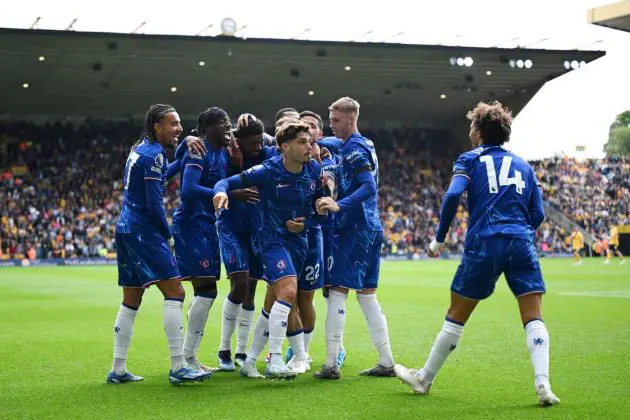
(61,195)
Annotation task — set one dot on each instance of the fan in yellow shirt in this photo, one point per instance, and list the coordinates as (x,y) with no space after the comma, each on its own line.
(614,246)
(577,240)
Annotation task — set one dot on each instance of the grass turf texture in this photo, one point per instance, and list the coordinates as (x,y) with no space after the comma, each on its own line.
(56,346)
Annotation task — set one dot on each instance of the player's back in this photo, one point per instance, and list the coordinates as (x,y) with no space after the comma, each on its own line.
(147,161)
(499,193)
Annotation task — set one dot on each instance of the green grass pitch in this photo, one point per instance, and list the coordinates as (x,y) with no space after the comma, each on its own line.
(56,345)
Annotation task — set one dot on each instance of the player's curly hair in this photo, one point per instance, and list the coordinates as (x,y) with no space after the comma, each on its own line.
(290,131)
(493,121)
(154,114)
(254,127)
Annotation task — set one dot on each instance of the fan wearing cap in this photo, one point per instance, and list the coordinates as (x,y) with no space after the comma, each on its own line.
(194,231)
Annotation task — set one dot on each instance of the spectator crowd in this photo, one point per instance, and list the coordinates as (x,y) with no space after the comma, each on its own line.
(60,190)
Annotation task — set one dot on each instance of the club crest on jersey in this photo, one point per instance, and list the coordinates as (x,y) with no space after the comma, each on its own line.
(204,263)
(281,265)
(159,160)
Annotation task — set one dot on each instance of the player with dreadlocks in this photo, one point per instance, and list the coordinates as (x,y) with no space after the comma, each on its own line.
(144,243)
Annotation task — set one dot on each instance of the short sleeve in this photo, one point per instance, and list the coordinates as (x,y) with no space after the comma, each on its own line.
(358,159)
(256,175)
(192,159)
(461,166)
(154,167)
(329,167)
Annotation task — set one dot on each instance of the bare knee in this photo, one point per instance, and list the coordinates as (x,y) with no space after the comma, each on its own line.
(239,285)
(287,291)
(250,298)
(461,308)
(132,297)
(172,289)
(205,287)
(530,307)
(305,303)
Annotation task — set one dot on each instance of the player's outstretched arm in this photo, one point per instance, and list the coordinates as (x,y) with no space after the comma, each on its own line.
(191,188)
(450,204)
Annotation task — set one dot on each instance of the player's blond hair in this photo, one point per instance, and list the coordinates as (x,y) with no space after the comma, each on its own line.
(346,105)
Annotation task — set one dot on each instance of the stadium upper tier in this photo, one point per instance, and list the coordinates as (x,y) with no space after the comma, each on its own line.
(67,73)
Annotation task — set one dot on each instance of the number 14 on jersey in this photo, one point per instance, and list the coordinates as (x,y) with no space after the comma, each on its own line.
(504,179)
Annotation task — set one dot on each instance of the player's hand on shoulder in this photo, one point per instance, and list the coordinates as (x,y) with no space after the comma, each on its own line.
(295,225)
(220,201)
(324,153)
(248,195)
(195,145)
(435,249)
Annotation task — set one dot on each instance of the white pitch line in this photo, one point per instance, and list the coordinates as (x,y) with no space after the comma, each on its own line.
(623,294)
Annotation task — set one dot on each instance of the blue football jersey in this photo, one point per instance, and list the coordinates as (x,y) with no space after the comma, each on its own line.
(214,167)
(145,162)
(356,154)
(499,192)
(330,167)
(241,216)
(284,195)
(333,144)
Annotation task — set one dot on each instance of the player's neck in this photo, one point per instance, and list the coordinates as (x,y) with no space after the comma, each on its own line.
(163,144)
(216,145)
(292,166)
(355,129)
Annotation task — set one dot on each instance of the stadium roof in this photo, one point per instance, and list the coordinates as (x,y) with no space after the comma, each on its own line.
(614,16)
(103,74)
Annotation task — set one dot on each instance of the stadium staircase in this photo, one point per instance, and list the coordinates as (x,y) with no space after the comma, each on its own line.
(560,219)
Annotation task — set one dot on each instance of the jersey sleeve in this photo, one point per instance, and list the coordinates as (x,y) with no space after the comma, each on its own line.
(535,205)
(462,166)
(153,166)
(358,158)
(333,144)
(329,167)
(257,175)
(192,159)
